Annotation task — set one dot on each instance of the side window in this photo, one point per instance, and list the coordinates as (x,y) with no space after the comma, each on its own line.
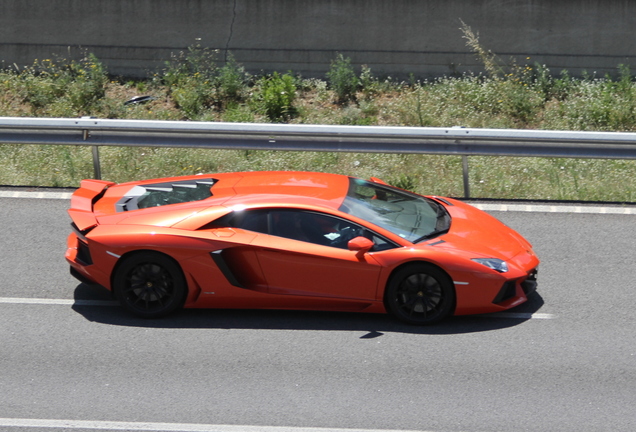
(304,226)
(321,229)
(301,225)
(251,220)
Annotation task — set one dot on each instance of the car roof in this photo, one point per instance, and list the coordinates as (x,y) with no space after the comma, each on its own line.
(330,188)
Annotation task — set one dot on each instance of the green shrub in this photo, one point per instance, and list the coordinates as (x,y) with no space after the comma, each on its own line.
(190,78)
(88,84)
(231,81)
(276,94)
(78,86)
(342,79)
(595,104)
(193,97)
(369,84)
(197,85)
(197,61)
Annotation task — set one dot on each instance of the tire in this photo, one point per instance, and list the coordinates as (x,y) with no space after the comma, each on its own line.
(150,285)
(420,294)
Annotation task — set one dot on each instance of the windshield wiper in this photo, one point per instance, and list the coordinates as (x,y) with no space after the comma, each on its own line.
(431,235)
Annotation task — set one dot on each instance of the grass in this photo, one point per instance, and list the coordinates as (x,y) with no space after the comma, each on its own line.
(192,86)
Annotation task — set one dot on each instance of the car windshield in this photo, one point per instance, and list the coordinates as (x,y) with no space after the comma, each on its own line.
(410,216)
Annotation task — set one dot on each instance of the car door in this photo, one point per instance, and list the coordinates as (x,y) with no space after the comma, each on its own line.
(306,254)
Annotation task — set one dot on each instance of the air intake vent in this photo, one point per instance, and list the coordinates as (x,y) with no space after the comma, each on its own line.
(507,291)
(160,194)
(83,253)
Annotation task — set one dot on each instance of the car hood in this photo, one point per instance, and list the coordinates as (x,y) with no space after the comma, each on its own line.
(473,230)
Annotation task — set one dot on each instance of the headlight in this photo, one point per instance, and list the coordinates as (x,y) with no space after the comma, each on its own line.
(493,263)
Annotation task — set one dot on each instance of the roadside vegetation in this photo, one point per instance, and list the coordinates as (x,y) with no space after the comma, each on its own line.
(195,85)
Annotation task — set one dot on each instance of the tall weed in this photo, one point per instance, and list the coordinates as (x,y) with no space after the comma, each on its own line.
(232,81)
(343,79)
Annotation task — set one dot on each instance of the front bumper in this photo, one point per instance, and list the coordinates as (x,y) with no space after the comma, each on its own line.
(516,288)
(487,292)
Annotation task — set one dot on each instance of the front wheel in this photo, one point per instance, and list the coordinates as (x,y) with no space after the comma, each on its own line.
(420,294)
(150,285)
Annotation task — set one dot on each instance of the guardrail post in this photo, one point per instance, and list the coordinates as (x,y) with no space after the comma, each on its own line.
(465,173)
(97,169)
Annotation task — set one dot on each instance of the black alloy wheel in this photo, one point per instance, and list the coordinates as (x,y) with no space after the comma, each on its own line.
(420,294)
(150,285)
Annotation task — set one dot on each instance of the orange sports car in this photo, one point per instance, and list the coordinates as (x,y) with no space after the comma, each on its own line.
(294,240)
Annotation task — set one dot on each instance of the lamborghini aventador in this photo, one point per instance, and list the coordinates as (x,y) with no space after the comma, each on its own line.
(294,240)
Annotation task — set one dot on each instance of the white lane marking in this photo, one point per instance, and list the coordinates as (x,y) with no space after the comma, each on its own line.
(518,315)
(45,301)
(540,208)
(533,208)
(41,195)
(70,302)
(169,427)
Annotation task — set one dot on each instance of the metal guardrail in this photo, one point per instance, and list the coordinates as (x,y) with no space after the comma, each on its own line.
(358,139)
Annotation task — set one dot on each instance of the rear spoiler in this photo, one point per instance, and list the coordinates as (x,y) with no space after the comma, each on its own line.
(82,201)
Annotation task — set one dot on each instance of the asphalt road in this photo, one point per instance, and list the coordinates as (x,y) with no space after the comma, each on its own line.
(570,368)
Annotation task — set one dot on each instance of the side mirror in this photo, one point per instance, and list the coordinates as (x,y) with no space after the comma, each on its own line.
(360,244)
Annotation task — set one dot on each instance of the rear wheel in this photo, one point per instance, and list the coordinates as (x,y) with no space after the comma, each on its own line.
(150,285)
(420,294)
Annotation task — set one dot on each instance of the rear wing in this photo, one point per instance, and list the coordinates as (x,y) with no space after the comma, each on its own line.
(82,201)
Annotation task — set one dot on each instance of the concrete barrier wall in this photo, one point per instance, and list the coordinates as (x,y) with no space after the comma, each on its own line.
(392,37)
